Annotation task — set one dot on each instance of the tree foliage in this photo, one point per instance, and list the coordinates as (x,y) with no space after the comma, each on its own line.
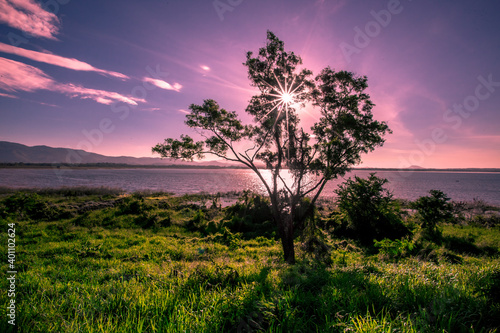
(344,131)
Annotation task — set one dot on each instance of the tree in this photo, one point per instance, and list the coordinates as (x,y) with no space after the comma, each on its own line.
(345,130)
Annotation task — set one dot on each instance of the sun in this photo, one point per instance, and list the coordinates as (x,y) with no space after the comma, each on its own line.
(285,96)
(285,93)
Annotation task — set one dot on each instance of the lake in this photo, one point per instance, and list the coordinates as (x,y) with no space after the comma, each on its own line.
(459,186)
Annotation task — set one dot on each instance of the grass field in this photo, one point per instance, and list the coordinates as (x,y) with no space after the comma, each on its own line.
(103,261)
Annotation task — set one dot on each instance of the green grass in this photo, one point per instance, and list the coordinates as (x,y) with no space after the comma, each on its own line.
(147,263)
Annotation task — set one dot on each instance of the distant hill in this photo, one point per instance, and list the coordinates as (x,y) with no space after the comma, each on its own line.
(17,153)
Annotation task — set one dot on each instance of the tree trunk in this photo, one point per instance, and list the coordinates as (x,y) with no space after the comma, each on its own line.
(284,222)
(286,234)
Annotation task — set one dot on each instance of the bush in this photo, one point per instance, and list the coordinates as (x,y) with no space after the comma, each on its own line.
(432,210)
(251,216)
(29,205)
(486,220)
(133,206)
(396,248)
(317,245)
(367,211)
(198,222)
(151,220)
(226,237)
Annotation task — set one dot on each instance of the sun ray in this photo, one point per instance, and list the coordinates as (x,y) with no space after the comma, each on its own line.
(269,111)
(269,85)
(300,85)
(285,95)
(279,83)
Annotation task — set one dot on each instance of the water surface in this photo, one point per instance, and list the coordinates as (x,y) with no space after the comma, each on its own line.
(460,186)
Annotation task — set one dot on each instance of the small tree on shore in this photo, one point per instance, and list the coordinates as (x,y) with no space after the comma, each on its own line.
(368,211)
(432,210)
(345,130)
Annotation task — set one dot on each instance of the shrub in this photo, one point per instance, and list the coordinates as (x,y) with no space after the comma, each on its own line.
(151,220)
(395,248)
(486,220)
(226,237)
(29,205)
(367,210)
(251,216)
(317,245)
(432,210)
(198,222)
(133,206)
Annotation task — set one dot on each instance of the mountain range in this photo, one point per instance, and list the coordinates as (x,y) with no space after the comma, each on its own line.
(16,153)
(11,152)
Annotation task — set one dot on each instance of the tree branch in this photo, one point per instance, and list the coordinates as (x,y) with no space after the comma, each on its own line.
(285,185)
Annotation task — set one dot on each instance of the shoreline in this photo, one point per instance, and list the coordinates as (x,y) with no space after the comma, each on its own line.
(201,167)
(227,196)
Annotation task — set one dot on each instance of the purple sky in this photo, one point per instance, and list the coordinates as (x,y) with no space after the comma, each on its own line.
(115,77)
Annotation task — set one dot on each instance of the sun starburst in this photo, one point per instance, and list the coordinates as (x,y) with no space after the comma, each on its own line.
(286,96)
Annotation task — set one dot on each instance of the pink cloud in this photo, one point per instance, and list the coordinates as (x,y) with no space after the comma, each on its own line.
(30,17)
(16,76)
(8,95)
(163,85)
(56,60)
(100,96)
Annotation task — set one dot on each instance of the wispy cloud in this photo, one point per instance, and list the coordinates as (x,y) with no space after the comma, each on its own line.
(56,60)
(100,96)
(29,16)
(163,85)
(8,95)
(17,76)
